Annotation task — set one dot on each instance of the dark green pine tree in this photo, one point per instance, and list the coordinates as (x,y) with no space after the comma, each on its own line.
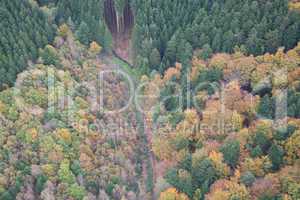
(171,50)
(143,65)
(21,36)
(254,44)
(3,77)
(154,59)
(206,52)
(272,41)
(260,27)
(266,107)
(276,154)
(204,174)
(184,52)
(204,39)
(83,33)
(291,36)
(107,40)
(217,41)
(229,42)
(231,152)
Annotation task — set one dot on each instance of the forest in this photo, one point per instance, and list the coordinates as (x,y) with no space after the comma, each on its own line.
(24,29)
(150,100)
(168,31)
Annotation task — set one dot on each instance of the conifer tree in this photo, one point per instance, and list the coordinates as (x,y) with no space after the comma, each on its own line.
(83,33)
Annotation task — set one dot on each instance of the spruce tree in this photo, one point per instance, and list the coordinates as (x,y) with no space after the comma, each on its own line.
(276,154)
(266,107)
(206,52)
(83,33)
(155,58)
(231,152)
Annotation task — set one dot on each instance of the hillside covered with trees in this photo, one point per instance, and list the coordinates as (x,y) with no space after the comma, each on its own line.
(149,100)
(232,142)
(55,141)
(168,31)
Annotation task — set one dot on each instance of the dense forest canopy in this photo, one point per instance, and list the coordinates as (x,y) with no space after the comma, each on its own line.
(230,143)
(85,17)
(168,31)
(24,29)
(215,114)
(171,28)
(164,31)
(45,153)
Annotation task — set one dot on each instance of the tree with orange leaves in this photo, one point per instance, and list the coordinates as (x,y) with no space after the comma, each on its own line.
(95,48)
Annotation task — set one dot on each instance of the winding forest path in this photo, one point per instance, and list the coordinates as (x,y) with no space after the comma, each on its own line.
(144,128)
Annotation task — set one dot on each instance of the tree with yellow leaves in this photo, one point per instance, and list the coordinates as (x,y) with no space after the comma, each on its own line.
(279,56)
(188,127)
(191,116)
(65,175)
(64,135)
(48,169)
(32,134)
(220,166)
(292,147)
(172,194)
(237,121)
(95,48)
(2,107)
(226,190)
(219,61)
(258,166)
(162,148)
(294,5)
(63,30)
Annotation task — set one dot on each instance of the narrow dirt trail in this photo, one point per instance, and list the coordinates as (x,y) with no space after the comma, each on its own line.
(149,135)
(143,125)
